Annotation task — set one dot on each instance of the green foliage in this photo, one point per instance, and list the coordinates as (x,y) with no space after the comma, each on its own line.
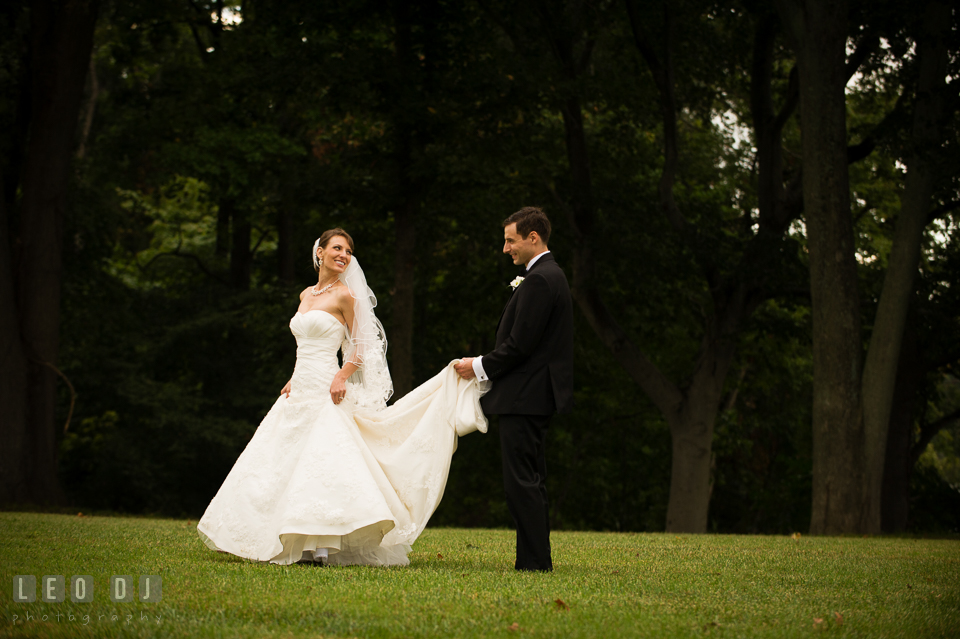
(943,453)
(305,110)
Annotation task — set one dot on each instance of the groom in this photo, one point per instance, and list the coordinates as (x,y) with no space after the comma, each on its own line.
(532,373)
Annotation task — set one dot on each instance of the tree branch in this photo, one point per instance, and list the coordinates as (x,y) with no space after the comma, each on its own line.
(929,431)
(858,152)
(563,206)
(73,392)
(793,198)
(642,42)
(793,99)
(664,393)
(263,234)
(201,47)
(866,45)
(761,96)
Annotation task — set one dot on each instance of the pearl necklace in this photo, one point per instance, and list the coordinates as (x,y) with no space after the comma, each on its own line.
(322,290)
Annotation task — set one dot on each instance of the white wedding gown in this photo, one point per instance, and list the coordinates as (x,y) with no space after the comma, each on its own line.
(359,482)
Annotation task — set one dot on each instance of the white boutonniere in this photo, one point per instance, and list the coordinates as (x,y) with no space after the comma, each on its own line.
(516,282)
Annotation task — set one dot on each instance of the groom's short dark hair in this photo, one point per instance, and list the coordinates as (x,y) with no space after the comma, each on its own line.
(528,219)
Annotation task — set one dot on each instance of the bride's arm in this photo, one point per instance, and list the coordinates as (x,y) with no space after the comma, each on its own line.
(338,389)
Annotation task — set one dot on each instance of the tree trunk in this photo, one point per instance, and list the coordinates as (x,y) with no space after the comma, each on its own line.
(692,434)
(818,29)
(11,163)
(13,379)
(690,415)
(880,368)
(898,461)
(13,362)
(61,40)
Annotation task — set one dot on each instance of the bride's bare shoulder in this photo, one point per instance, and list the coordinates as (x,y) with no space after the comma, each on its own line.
(304,292)
(344,294)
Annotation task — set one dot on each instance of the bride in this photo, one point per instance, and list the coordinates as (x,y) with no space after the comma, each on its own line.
(332,474)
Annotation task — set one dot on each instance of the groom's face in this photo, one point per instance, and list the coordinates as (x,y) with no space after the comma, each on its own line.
(520,249)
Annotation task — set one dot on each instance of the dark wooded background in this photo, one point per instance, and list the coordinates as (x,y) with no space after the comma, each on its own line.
(755,204)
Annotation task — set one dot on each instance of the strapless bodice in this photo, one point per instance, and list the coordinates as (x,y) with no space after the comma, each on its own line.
(319,336)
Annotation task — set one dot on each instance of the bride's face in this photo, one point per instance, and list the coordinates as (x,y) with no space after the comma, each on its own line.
(336,255)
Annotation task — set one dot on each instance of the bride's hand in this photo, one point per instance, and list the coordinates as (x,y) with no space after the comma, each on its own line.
(338,389)
(286,389)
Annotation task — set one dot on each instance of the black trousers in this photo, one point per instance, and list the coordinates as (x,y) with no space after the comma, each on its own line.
(522,443)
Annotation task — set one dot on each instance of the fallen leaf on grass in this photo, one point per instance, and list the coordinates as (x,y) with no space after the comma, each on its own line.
(514,627)
(838,618)
(795,536)
(712,624)
(79,514)
(817,621)
(439,556)
(561,604)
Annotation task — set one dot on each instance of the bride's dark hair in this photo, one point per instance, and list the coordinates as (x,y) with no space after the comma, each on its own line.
(324,239)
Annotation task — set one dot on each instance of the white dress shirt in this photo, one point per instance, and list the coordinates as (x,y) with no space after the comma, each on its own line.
(478,361)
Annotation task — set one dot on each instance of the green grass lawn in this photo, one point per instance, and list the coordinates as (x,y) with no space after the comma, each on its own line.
(460,583)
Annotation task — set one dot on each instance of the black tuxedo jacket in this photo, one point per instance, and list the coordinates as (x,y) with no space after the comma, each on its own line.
(532,365)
